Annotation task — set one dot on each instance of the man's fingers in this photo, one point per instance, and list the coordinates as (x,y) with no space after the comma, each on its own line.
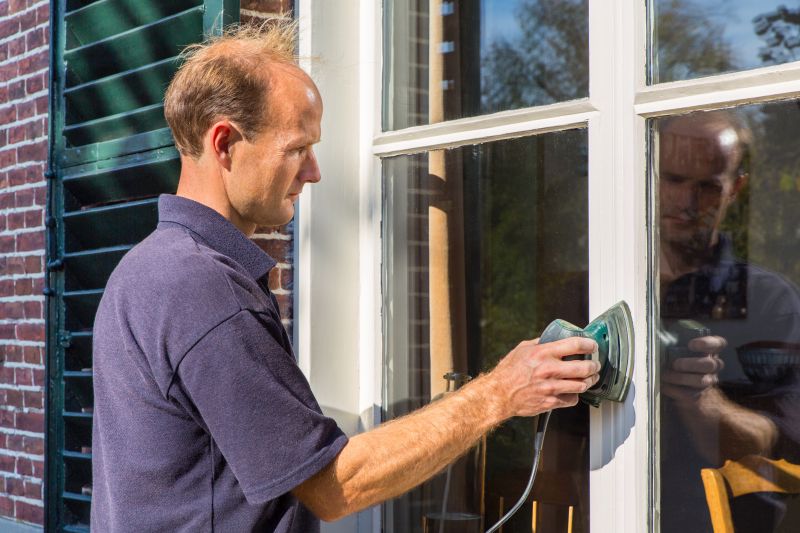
(575,369)
(708,344)
(570,346)
(691,380)
(698,365)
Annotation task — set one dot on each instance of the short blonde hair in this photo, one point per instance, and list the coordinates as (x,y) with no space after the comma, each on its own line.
(226,77)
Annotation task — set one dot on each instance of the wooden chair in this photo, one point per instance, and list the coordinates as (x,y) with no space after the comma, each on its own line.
(749,474)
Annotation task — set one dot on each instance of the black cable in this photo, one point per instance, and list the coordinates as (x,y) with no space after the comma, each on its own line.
(538,440)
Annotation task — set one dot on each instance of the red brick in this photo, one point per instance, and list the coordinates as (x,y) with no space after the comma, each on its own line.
(38,377)
(7,418)
(27,242)
(3,57)
(7,200)
(23,376)
(30,422)
(29,513)
(16,90)
(16,47)
(7,331)
(25,110)
(3,223)
(7,244)
(40,196)
(33,400)
(34,84)
(14,265)
(15,221)
(32,152)
(42,14)
(8,158)
(287,278)
(33,490)
(15,6)
(3,8)
(278,249)
(274,281)
(42,105)
(38,286)
(23,287)
(12,354)
(10,70)
(9,27)
(35,39)
(16,134)
(27,20)
(15,443)
(32,310)
(8,114)
(30,332)
(34,219)
(23,198)
(285,305)
(6,506)
(24,467)
(12,310)
(13,398)
(6,463)
(15,486)
(32,355)
(6,287)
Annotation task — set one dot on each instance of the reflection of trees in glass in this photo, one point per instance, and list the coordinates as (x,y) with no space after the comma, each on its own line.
(548,63)
(774,195)
(689,41)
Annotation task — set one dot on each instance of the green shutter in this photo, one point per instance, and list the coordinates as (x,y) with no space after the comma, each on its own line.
(111,155)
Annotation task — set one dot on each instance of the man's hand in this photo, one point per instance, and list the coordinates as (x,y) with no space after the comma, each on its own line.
(689,377)
(534,378)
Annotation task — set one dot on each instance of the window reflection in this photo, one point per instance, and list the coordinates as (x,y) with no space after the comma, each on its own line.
(485,245)
(446,60)
(694,38)
(730,307)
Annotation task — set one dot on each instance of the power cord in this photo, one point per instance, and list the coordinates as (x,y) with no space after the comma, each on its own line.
(538,440)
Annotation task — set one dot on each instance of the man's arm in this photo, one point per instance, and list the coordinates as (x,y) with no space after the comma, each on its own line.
(397,456)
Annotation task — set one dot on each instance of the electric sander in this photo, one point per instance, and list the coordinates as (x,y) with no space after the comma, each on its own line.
(613,333)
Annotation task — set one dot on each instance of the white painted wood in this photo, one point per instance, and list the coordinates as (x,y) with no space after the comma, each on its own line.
(502,125)
(769,83)
(617,257)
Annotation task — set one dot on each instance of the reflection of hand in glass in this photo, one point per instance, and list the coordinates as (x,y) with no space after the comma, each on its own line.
(688,378)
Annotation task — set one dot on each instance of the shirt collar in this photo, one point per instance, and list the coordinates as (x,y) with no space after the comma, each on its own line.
(215,231)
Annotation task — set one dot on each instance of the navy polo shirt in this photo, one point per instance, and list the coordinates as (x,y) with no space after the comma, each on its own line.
(202,418)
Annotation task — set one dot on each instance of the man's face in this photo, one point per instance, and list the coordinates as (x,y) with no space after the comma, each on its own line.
(697,182)
(268,173)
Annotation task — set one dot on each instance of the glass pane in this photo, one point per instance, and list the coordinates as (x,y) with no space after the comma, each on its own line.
(452,59)
(729,211)
(484,246)
(695,38)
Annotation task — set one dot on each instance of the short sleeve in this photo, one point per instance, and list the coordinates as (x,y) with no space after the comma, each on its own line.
(258,407)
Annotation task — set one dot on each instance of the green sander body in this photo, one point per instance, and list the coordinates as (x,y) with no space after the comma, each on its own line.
(613,333)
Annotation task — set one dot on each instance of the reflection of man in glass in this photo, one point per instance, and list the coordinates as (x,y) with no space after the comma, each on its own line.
(719,314)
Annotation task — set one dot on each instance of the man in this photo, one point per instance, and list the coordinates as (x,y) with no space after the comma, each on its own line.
(712,306)
(203,421)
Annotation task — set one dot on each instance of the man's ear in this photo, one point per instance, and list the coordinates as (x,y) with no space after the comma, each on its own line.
(219,141)
(738,184)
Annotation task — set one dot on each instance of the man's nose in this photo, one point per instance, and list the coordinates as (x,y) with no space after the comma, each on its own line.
(310,172)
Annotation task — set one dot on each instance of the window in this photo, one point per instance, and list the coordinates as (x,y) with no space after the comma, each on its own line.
(619,73)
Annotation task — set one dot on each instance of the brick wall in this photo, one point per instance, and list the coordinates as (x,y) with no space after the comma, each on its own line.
(24,59)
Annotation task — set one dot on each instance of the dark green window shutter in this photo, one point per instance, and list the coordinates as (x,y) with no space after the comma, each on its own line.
(111,155)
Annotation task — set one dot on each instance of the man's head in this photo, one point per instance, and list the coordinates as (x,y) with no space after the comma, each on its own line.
(703,159)
(244,118)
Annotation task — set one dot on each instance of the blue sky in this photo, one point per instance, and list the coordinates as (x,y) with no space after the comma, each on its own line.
(498,19)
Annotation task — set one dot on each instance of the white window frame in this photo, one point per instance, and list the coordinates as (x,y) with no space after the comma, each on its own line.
(338,227)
